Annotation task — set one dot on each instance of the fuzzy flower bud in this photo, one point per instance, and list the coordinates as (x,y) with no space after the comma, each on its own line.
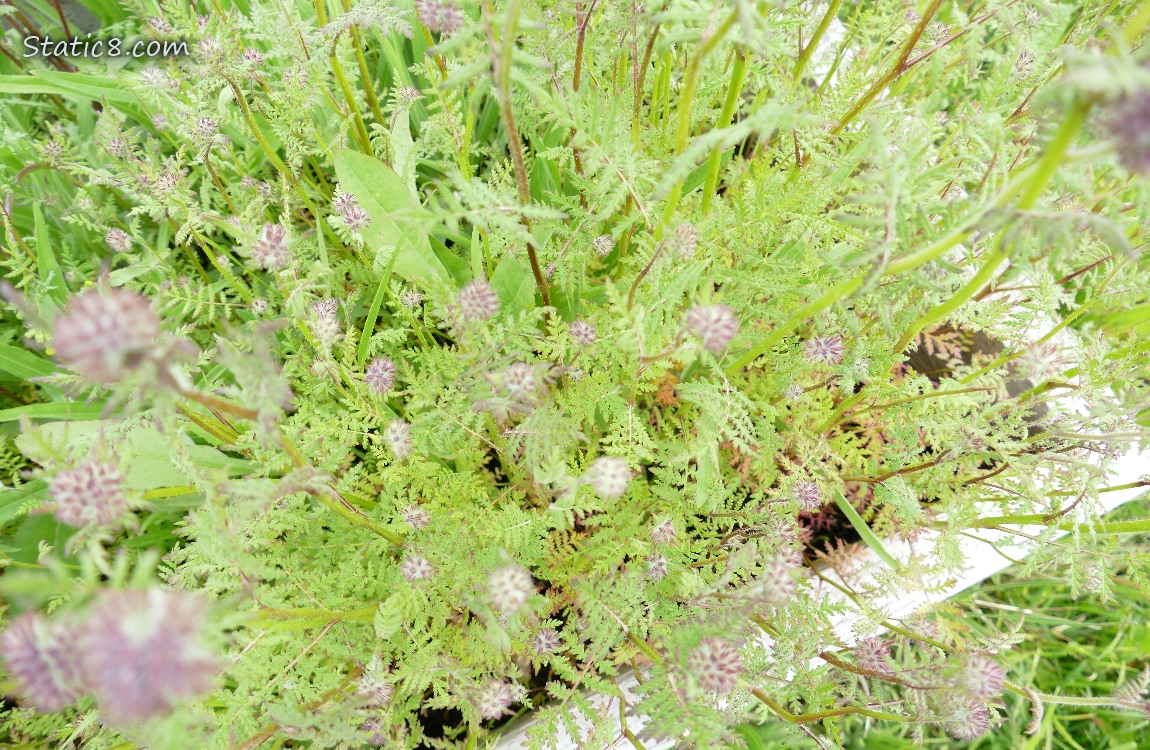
(981,676)
(609,476)
(90,494)
(411,299)
(1129,125)
(105,335)
(808,495)
(398,438)
(546,642)
(656,568)
(716,664)
(716,325)
(603,244)
(380,375)
(118,240)
(582,332)
(509,588)
(416,517)
(415,568)
(826,350)
(873,654)
(663,533)
(41,658)
(965,718)
(494,699)
(271,251)
(519,381)
(442,16)
(477,301)
(144,654)
(684,241)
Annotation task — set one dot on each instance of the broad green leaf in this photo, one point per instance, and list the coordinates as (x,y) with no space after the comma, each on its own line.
(11,501)
(50,272)
(514,284)
(385,198)
(23,364)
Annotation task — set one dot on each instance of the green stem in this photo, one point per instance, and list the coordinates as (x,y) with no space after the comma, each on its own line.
(812,45)
(820,715)
(734,89)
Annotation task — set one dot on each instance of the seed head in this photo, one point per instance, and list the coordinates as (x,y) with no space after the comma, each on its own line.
(1129,125)
(91,494)
(271,251)
(416,517)
(494,699)
(509,588)
(981,676)
(42,659)
(442,16)
(716,664)
(582,332)
(415,568)
(546,642)
(144,653)
(398,438)
(716,325)
(105,335)
(873,654)
(118,240)
(808,494)
(477,301)
(603,244)
(380,375)
(609,476)
(965,718)
(826,350)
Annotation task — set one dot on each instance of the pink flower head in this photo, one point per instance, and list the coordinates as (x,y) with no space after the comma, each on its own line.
(1129,124)
(509,587)
(442,16)
(105,335)
(981,676)
(716,325)
(380,376)
(874,654)
(415,568)
(144,654)
(118,240)
(398,438)
(826,350)
(808,494)
(582,332)
(271,251)
(494,699)
(716,663)
(546,642)
(477,301)
(609,476)
(42,659)
(90,494)
(965,718)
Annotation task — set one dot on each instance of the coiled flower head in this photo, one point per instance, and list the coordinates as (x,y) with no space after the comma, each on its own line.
(608,476)
(663,533)
(325,323)
(873,654)
(715,325)
(981,677)
(144,653)
(546,642)
(118,240)
(42,659)
(92,494)
(442,16)
(716,664)
(106,335)
(965,718)
(684,240)
(656,568)
(380,375)
(808,495)
(509,587)
(603,244)
(582,332)
(477,301)
(416,517)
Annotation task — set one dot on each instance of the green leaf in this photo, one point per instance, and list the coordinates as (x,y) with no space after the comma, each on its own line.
(23,364)
(63,410)
(13,500)
(864,531)
(384,196)
(369,323)
(50,272)
(514,284)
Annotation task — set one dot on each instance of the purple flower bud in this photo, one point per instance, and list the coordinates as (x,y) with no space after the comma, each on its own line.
(411,299)
(546,642)
(416,517)
(442,16)
(981,676)
(716,664)
(90,494)
(964,717)
(609,476)
(477,301)
(519,381)
(826,350)
(398,438)
(582,332)
(684,241)
(144,654)
(663,533)
(603,244)
(656,568)
(873,654)
(271,251)
(716,325)
(380,376)
(118,240)
(808,495)
(356,219)
(509,587)
(42,659)
(105,335)
(415,568)
(206,127)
